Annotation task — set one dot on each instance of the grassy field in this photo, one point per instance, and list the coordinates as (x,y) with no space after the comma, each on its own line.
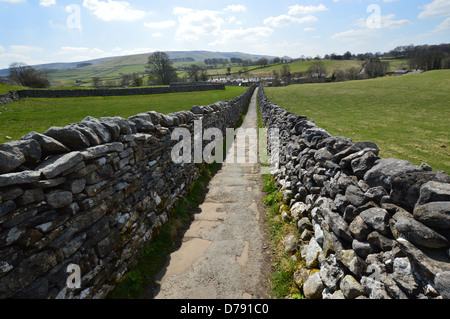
(22,117)
(407,117)
(6,88)
(295,67)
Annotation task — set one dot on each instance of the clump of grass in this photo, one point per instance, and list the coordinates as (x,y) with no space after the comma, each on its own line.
(153,256)
(282,277)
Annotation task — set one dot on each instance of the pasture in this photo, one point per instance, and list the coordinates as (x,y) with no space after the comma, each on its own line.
(32,114)
(406,116)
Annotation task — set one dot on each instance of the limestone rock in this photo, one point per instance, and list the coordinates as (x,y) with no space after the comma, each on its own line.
(434,192)
(434,214)
(49,146)
(377,218)
(385,170)
(420,234)
(313,286)
(331,273)
(10,158)
(68,136)
(442,282)
(406,188)
(59,199)
(58,164)
(350,287)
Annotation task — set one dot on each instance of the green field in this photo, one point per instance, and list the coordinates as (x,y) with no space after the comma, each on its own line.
(406,116)
(295,67)
(22,117)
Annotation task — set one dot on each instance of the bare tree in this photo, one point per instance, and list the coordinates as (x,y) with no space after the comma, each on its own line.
(316,72)
(26,75)
(161,69)
(197,73)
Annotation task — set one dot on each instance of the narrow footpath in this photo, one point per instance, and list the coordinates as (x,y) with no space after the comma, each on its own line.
(224,253)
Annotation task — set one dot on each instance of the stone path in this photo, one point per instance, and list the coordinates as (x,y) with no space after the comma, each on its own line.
(224,252)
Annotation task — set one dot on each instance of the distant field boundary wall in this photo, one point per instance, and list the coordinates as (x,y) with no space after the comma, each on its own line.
(117,92)
(78,203)
(368,227)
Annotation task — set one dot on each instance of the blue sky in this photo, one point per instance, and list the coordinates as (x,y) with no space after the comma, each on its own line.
(43,31)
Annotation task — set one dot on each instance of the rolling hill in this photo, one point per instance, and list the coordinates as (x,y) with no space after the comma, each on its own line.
(67,74)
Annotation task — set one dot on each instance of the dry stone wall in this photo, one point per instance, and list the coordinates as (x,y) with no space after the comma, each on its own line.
(183,87)
(9,97)
(91,194)
(370,227)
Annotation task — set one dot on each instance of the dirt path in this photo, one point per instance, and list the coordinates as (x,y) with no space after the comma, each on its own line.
(224,254)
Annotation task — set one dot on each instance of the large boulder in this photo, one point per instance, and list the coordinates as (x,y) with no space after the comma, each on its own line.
(69,136)
(49,145)
(420,234)
(10,158)
(386,170)
(434,214)
(435,192)
(406,188)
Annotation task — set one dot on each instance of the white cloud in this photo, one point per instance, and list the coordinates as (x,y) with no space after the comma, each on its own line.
(113,10)
(157,35)
(386,22)
(47,3)
(235,8)
(20,49)
(444,27)
(285,20)
(352,35)
(309,29)
(254,34)
(437,8)
(195,23)
(2,49)
(160,25)
(13,1)
(299,9)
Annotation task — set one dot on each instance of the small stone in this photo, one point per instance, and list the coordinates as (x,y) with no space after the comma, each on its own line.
(290,243)
(25,177)
(58,199)
(377,218)
(331,273)
(58,164)
(313,286)
(442,282)
(351,288)
(312,253)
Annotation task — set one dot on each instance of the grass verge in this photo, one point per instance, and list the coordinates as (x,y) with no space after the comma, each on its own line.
(153,256)
(406,116)
(283,266)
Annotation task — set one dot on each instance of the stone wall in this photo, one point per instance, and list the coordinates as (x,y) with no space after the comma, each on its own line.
(91,194)
(367,227)
(48,93)
(9,97)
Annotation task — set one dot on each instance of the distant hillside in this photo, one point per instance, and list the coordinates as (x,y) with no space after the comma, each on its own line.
(112,68)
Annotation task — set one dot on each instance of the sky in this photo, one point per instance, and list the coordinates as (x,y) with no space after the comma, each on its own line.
(47,31)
